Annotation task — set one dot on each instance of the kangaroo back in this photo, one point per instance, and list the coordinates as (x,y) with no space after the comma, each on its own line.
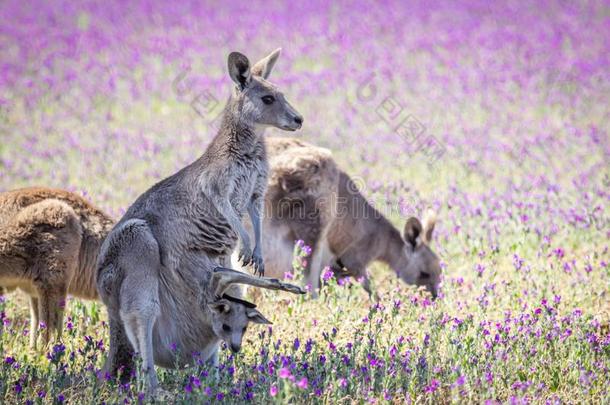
(49,241)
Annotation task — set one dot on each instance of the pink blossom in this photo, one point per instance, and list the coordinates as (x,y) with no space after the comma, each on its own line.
(303,383)
(284,373)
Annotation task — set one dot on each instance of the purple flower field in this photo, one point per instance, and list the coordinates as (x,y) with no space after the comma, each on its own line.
(495,115)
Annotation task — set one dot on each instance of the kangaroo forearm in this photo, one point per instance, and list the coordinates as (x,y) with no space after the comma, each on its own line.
(254,211)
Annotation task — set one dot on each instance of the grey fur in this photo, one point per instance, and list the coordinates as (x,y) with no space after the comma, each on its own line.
(156,269)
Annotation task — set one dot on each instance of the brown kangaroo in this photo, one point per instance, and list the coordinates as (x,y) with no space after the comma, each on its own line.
(49,242)
(300,203)
(309,198)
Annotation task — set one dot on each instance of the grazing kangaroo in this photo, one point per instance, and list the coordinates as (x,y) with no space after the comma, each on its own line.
(156,268)
(49,241)
(310,199)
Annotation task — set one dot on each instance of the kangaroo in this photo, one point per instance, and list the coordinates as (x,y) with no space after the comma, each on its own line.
(311,199)
(49,241)
(155,268)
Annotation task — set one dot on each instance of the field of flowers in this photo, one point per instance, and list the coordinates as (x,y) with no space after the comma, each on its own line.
(495,115)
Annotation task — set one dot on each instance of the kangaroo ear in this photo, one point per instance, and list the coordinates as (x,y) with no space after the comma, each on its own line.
(412,230)
(264,66)
(256,317)
(239,69)
(429,222)
(220,307)
(291,183)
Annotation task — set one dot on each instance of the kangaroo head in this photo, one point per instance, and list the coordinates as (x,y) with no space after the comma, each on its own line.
(420,265)
(230,319)
(255,100)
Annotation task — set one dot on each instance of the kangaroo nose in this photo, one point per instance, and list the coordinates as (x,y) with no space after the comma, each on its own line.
(235,348)
(298,120)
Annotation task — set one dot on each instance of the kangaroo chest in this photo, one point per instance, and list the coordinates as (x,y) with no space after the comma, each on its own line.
(246,176)
(250,179)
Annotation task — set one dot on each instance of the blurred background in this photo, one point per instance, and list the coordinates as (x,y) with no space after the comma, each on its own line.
(496,115)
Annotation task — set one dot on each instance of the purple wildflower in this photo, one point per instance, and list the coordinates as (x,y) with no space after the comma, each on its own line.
(433,386)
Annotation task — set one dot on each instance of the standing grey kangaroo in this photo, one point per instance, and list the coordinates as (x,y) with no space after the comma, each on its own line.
(158,270)
(311,199)
(49,241)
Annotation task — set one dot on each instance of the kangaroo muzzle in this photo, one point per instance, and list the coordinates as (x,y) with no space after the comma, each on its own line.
(292,119)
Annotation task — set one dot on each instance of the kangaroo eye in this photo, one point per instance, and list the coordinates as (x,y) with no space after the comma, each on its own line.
(244,329)
(226,327)
(268,99)
(424,275)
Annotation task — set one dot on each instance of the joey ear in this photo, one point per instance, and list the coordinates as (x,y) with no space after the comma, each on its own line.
(412,230)
(264,66)
(239,69)
(220,306)
(256,317)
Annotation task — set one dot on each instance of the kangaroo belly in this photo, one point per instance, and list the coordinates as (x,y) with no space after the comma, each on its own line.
(211,233)
(182,333)
(25,285)
(174,349)
(214,236)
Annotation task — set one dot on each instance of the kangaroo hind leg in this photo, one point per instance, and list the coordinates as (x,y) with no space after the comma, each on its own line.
(139,295)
